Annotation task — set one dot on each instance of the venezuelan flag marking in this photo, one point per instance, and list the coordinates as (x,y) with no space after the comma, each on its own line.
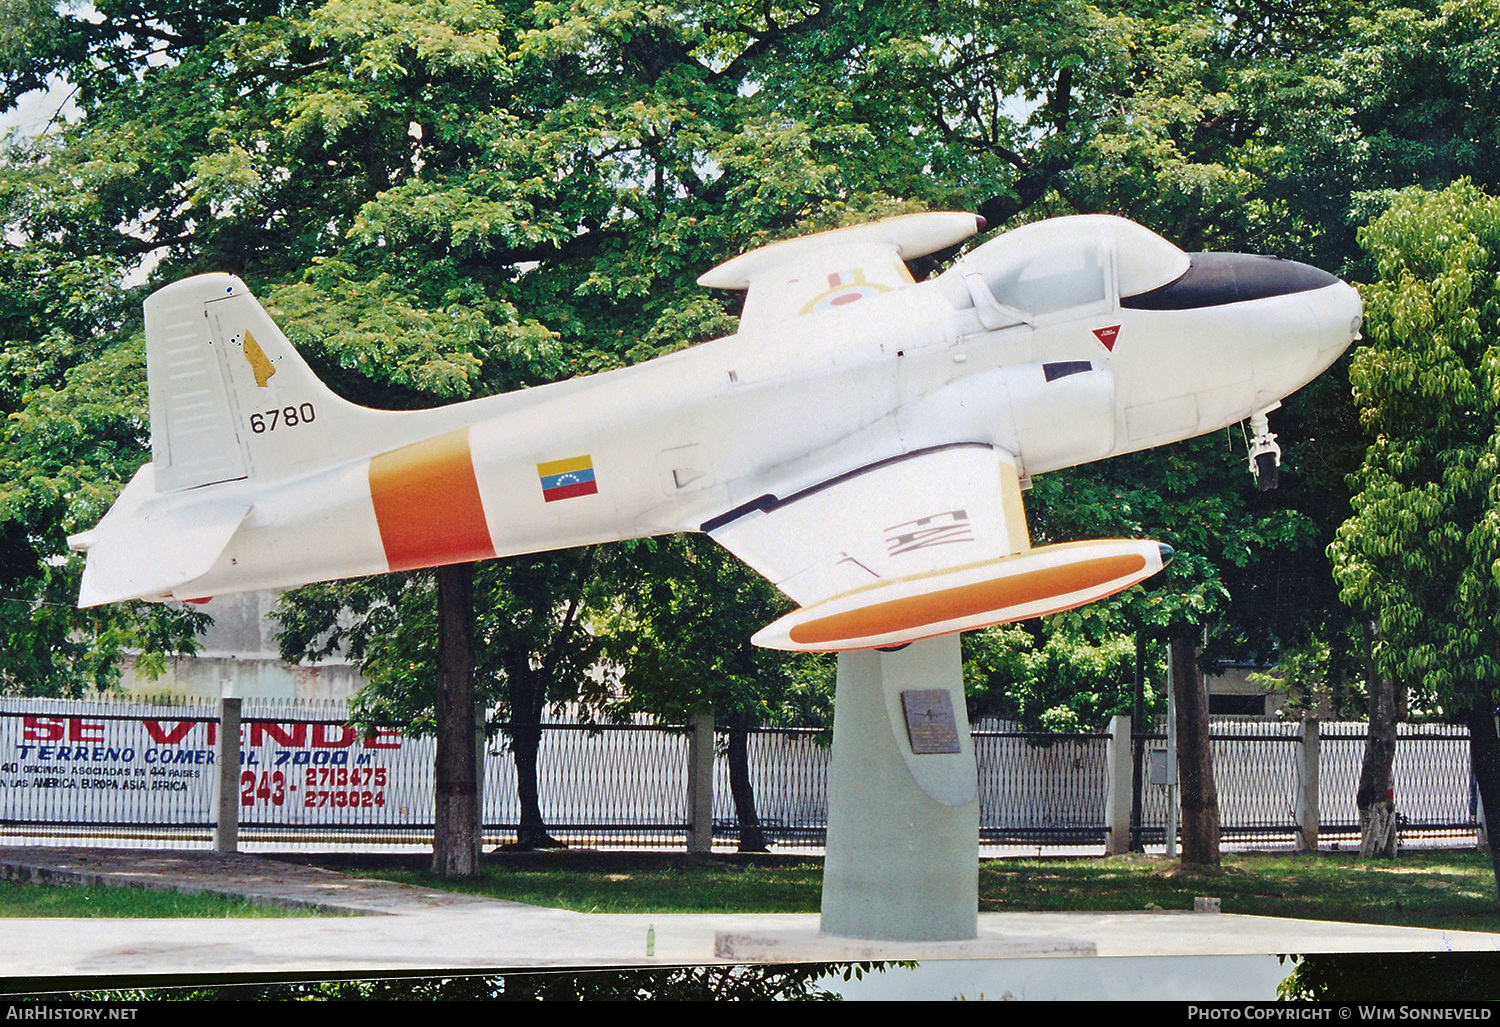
(427,504)
(564,479)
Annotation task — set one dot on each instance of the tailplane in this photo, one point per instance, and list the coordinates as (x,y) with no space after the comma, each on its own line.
(150,543)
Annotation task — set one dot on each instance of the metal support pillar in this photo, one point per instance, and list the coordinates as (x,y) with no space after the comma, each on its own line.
(902,857)
(227,795)
(700,791)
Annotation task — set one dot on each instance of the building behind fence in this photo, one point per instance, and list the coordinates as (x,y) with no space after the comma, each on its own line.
(144,773)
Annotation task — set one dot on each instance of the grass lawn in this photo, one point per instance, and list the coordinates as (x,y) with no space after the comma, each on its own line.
(629,882)
(22,899)
(1448,889)
(1452,890)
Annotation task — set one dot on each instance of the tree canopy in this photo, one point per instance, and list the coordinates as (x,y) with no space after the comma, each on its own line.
(450,198)
(1420,555)
(1422,551)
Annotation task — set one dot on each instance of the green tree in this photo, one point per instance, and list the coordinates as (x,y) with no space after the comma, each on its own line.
(72,428)
(1051,680)
(460,197)
(1199,500)
(682,641)
(529,642)
(1421,551)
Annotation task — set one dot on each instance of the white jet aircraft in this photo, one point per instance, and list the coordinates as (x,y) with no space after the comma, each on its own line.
(862,441)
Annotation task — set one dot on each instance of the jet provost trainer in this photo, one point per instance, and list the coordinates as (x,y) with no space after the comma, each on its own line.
(863,440)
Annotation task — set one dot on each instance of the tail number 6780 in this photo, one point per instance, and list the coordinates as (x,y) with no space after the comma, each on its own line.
(286,417)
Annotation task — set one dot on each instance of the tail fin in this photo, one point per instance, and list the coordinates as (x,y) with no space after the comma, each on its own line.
(231,401)
(230,397)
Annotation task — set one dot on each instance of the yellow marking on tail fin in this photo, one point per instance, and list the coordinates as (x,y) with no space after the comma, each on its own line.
(259,362)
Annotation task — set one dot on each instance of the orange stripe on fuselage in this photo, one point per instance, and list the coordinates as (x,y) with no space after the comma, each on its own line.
(950,604)
(427,504)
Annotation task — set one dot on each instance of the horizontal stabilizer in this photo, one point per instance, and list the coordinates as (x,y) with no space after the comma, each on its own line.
(1047,579)
(150,545)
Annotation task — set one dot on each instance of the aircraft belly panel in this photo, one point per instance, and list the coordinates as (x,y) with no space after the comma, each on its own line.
(1064,412)
(1166,419)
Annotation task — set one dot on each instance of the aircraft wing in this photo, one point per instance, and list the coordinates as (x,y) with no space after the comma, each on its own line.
(914,514)
(923,544)
(829,270)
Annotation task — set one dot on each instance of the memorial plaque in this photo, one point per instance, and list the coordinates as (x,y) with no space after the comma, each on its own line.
(929,721)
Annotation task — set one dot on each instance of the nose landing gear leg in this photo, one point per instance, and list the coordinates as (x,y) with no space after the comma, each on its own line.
(1265,454)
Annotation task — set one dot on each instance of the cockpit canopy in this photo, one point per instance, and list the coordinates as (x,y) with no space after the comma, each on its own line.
(1064,264)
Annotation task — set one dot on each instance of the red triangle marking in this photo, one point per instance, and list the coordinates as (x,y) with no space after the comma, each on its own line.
(1107,336)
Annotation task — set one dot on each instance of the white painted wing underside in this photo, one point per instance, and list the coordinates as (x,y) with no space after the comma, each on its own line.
(915,514)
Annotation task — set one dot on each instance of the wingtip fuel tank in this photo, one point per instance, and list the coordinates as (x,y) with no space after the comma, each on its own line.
(1048,579)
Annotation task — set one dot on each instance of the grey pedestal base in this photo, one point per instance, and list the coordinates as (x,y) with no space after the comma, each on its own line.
(902,859)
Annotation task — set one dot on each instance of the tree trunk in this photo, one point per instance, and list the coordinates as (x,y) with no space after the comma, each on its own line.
(527,699)
(456,812)
(1200,799)
(1376,796)
(752,839)
(1484,761)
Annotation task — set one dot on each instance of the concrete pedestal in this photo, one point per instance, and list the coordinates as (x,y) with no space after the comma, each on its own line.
(902,860)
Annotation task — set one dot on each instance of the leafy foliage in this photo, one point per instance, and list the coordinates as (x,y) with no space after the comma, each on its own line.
(682,641)
(1056,682)
(1422,549)
(453,198)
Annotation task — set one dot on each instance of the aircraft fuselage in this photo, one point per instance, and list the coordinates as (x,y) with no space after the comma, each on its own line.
(671,443)
(861,430)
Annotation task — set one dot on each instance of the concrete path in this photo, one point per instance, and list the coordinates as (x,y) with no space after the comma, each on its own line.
(397,927)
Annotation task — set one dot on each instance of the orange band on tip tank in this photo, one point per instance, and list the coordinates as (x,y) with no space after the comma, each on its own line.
(963,601)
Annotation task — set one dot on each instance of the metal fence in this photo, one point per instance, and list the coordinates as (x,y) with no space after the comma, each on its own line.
(1435,789)
(1040,789)
(143,773)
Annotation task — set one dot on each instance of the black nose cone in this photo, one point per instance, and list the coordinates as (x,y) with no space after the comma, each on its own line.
(1214,279)
(1166,553)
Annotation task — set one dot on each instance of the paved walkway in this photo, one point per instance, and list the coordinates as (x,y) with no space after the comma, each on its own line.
(267,881)
(399,927)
